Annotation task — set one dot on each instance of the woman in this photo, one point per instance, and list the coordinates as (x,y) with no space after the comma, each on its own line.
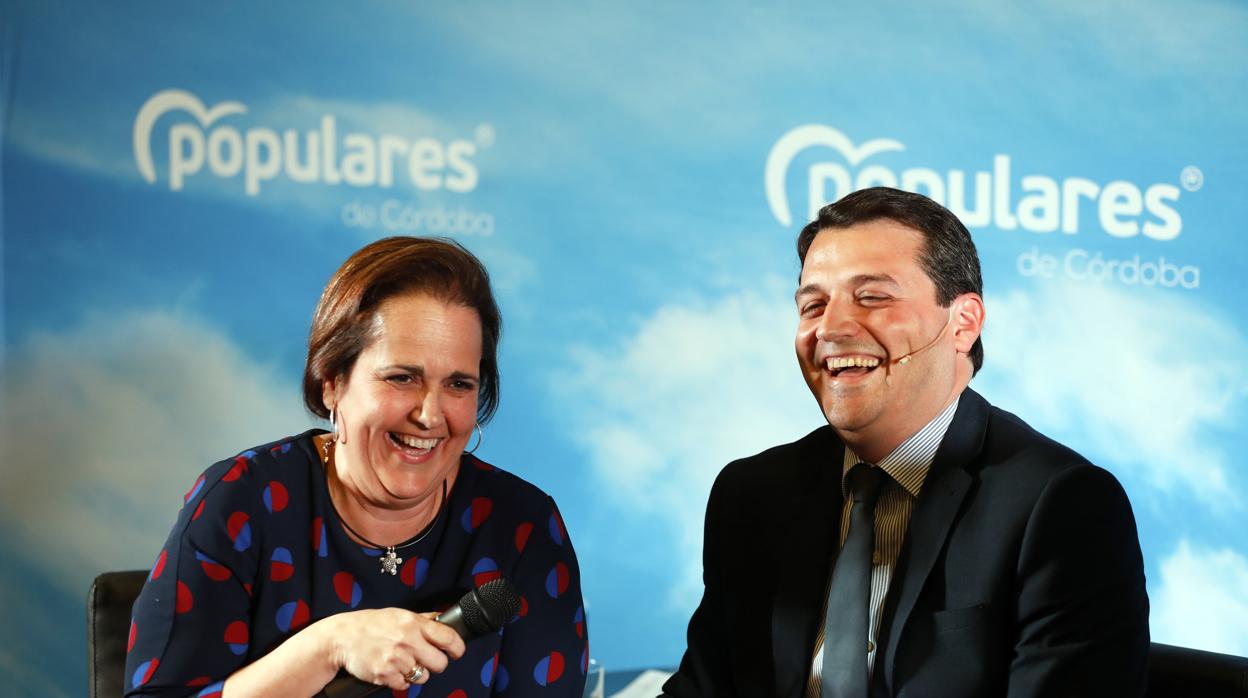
(312,555)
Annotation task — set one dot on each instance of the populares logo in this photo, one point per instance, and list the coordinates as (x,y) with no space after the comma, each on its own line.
(262,154)
(1041,205)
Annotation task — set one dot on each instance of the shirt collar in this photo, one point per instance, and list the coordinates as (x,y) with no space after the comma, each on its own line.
(909,463)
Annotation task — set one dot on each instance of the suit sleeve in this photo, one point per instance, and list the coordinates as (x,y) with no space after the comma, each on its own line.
(704,668)
(1082,613)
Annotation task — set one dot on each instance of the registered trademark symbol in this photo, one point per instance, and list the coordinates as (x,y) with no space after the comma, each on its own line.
(485,135)
(1192,178)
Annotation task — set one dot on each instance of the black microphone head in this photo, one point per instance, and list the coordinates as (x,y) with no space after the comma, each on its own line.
(489,606)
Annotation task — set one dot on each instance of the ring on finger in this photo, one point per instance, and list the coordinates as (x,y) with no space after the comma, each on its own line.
(416,674)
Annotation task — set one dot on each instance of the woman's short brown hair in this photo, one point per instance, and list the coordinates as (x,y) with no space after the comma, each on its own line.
(343,324)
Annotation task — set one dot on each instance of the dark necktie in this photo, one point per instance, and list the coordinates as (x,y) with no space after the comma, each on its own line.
(845,630)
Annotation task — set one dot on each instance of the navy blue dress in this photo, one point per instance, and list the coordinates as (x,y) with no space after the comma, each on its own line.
(258,553)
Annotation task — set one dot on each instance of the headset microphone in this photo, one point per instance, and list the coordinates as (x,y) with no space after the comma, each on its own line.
(906,359)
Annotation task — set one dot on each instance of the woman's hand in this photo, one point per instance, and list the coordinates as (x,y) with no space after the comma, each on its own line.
(378,646)
(382,646)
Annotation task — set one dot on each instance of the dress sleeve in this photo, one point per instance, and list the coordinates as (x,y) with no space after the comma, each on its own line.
(545,649)
(191,624)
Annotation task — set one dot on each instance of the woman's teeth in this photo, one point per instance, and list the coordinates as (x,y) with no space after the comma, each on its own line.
(413,442)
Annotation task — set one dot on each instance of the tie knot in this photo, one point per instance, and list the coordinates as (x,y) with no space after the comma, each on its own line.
(864,483)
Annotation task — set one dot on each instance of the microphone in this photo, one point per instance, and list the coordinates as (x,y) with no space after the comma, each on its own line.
(479,612)
(906,359)
(482,610)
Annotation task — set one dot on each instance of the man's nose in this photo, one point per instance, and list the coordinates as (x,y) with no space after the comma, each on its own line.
(837,322)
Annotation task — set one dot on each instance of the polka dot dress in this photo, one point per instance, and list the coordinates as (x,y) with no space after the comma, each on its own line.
(258,553)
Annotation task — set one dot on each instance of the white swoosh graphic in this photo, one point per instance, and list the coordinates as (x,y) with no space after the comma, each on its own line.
(168,100)
(801,138)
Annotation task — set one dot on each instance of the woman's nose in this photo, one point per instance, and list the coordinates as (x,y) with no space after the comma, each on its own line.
(428,413)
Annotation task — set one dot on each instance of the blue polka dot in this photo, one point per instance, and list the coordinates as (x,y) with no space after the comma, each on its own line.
(487,670)
(213,690)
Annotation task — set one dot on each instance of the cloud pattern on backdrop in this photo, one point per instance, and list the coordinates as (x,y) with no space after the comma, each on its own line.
(1200,600)
(1136,381)
(111,420)
(696,385)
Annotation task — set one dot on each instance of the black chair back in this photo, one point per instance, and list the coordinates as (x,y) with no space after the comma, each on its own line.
(108,630)
(1180,672)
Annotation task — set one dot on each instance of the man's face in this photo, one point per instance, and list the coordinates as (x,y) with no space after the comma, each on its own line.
(864,304)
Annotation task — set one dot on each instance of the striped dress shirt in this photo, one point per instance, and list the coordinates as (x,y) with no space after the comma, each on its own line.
(907,468)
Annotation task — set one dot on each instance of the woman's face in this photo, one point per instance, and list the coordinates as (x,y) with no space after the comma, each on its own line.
(409,405)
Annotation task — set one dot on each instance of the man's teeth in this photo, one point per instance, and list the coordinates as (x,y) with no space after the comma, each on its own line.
(838,362)
(413,442)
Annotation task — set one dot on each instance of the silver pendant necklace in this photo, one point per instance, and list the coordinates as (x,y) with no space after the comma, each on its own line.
(390,559)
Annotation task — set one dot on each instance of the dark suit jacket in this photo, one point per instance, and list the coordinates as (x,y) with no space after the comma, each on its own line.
(1020,575)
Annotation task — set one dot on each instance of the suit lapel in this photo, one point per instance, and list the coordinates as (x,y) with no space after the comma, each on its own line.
(934,513)
(807,547)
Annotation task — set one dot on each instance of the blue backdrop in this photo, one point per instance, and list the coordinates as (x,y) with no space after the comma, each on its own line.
(179,180)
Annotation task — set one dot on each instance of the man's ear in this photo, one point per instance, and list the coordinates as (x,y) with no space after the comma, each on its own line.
(968,321)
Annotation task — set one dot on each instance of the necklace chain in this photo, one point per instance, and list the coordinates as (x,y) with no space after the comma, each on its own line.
(389,561)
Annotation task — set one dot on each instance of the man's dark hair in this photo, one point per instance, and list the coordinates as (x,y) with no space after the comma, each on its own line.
(948,255)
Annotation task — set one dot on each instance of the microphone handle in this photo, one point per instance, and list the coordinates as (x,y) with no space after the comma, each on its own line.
(454,617)
(344,685)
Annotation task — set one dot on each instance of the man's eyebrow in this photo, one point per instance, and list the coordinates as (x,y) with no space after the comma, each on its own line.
(857,280)
(877,278)
(807,290)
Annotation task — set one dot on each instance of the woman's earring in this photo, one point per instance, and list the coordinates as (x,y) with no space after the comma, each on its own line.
(480,438)
(340,435)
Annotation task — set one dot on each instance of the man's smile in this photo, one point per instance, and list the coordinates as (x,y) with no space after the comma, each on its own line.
(850,366)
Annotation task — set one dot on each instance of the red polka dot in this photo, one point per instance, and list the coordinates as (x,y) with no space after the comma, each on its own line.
(237,635)
(348,591)
(276,497)
(522,535)
(133,634)
(556,667)
(199,509)
(200,681)
(234,524)
(240,467)
(185,600)
(214,571)
(481,508)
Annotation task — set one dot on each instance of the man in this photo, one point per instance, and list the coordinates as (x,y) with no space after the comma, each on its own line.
(994,561)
